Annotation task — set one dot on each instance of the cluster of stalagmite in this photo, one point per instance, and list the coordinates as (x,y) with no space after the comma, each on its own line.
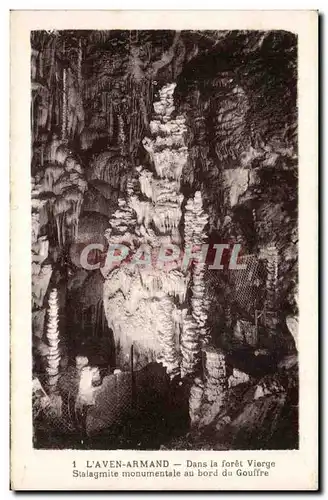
(145,303)
(208,395)
(53,356)
(195,236)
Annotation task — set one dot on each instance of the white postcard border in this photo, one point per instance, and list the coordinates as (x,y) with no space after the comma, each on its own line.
(51,470)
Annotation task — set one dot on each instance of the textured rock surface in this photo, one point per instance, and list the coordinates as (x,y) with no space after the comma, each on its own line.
(140,301)
(41,269)
(218,157)
(53,339)
(208,397)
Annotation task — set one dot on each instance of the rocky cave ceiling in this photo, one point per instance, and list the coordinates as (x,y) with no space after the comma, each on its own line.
(184,137)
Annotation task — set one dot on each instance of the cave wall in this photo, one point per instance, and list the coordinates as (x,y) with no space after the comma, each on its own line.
(241,103)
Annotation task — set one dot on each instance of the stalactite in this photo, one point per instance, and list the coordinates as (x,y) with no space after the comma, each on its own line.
(41,63)
(57,108)
(208,395)
(64,183)
(111,120)
(64,107)
(271,256)
(52,334)
(86,389)
(50,106)
(52,49)
(198,303)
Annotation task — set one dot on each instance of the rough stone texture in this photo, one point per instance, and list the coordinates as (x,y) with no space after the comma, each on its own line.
(237,377)
(208,397)
(215,375)
(41,271)
(236,104)
(38,318)
(293,326)
(112,402)
(53,339)
(40,281)
(235,183)
(246,332)
(140,299)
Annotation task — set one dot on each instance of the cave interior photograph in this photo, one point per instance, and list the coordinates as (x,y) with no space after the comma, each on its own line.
(164,208)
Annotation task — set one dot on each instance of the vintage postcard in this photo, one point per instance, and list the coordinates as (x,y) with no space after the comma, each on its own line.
(164,180)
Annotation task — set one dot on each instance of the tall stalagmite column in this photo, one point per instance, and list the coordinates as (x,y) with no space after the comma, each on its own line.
(53,357)
(145,296)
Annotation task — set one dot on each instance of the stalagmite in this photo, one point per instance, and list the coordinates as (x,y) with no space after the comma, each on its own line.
(53,356)
(216,383)
(41,270)
(144,303)
(196,401)
(139,302)
(86,390)
(237,377)
(208,395)
(195,222)
(64,107)
(272,277)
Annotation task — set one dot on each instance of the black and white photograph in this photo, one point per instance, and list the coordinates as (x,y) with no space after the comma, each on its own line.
(164,239)
(164,249)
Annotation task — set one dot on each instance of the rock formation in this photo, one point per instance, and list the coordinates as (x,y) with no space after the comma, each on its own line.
(208,396)
(146,304)
(218,164)
(41,268)
(52,334)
